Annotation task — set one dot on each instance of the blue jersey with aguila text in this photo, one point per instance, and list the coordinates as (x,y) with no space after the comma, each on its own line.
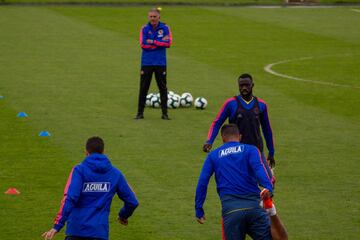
(88,195)
(238,172)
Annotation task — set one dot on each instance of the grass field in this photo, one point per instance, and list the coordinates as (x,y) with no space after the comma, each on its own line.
(75,70)
(157,2)
(180,2)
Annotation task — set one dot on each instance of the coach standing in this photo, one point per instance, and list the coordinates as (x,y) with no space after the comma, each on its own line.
(155,37)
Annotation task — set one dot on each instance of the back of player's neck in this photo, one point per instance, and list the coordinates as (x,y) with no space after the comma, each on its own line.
(228,140)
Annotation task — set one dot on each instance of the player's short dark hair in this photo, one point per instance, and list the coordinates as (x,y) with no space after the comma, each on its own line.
(95,145)
(245,75)
(229,130)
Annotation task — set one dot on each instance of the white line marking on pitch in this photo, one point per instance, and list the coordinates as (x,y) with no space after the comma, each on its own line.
(355,10)
(268,68)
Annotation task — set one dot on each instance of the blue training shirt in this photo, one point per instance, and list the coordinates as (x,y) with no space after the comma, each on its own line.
(228,111)
(154,54)
(238,172)
(87,198)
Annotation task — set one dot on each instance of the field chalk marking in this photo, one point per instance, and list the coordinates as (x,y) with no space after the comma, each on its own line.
(355,10)
(268,68)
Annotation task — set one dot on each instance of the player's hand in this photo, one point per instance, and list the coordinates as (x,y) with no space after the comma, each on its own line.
(49,234)
(201,220)
(150,41)
(166,38)
(271,161)
(123,221)
(207,147)
(265,194)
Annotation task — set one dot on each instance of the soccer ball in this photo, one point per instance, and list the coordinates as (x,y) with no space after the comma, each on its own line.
(173,102)
(200,103)
(170,94)
(186,100)
(186,94)
(148,99)
(155,101)
(177,96)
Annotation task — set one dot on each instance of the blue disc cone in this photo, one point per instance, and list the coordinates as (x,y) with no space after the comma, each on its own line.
(44,134)
(1,96)
(22,114)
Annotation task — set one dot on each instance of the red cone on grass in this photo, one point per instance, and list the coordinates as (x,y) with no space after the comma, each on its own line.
(12,191)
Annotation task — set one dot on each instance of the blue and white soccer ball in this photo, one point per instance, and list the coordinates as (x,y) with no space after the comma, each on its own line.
(155,101)
(173,102)
(200,103)
(148,99)
(186,100)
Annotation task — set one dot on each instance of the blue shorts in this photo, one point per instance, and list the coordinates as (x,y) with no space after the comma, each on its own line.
(252,221)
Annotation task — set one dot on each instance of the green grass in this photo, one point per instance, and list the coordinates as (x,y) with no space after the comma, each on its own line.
(193,2)
(155,2)
(75,71)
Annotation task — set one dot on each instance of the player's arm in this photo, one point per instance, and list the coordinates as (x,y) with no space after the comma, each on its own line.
(166,41)
(71,196)
(145,42)
(278,230)
(127,195)
(222,115)
(267,131)
(201,189)
(259,169)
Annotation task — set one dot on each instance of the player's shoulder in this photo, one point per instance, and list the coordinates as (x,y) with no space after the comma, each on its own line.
(79,166)
(251,149)
(262,104)
(117,171)
(212,153)
(230,101)
(261,101)
(164,27)
(162,24)
(145,26)
(79,169)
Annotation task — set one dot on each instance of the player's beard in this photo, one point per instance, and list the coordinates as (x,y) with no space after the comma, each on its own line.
(245,93)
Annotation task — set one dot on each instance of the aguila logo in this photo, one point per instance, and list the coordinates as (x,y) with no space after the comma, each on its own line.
(96,187)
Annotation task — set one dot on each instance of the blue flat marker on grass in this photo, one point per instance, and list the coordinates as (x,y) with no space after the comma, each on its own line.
(22,114)
(44,134)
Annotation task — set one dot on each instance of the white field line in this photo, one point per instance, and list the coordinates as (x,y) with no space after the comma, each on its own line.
(268,68)
(355,10)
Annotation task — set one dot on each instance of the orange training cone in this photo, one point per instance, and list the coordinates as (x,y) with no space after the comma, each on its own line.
(12,191)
